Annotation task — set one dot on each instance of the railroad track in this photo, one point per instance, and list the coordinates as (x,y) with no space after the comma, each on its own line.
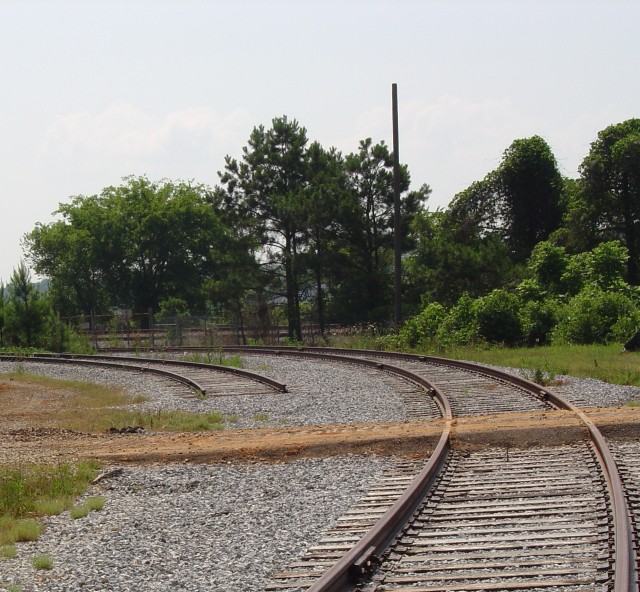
(193,378)
(554,520)
(581,537)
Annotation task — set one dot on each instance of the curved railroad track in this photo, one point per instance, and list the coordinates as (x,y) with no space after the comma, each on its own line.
(201,379)
(581,536)
(554,520)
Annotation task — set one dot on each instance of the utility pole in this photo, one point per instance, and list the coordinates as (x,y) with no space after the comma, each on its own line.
(397,238)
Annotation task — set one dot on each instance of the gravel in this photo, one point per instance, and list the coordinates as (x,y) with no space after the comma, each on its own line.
(319,393)
(193,528)
(585,392)
(225,527)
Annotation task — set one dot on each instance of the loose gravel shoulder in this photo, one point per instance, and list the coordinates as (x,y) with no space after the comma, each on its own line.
(585,392)
(318,393)
(192,528)
(225,527)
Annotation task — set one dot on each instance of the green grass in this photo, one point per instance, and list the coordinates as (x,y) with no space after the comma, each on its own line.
(91,504)
(261,417)
(216,357)
(19,530)
(42,562)
(31,491)
(604,362)
(162,421)
(8,551)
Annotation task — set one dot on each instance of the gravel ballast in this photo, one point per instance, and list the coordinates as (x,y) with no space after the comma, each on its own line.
(218,527)
(225,527)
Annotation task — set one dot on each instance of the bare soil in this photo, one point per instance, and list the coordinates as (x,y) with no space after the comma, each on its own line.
(27,434)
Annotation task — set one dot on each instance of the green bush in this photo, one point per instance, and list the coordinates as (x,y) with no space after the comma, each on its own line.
(459,326)
(537,320)
(596,316)
(423,327)
(497,317)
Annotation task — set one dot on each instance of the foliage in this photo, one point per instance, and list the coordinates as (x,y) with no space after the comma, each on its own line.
(42,562)
(597,316)
(611,189)
(496,317)
(30,490)
(424,326)
(133,245)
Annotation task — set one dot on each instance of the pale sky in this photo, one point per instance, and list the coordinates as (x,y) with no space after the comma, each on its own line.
(95,90)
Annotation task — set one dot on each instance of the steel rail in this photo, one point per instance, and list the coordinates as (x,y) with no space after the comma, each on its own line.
(270,382)
(343,574)
(104,364)
(624,550)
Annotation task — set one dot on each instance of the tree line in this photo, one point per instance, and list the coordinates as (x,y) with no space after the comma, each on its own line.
(294,226)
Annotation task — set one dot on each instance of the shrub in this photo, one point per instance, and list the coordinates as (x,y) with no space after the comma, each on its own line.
(42,562)
(460,325)
(596,316)
(423,327)
(537,320)
(497,317)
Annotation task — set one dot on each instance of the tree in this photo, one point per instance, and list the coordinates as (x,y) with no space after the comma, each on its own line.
(264,189)
(366,290)
(445,263)
(611,182)
(26,311)
(530,187)
(133,245)
(326,202)
(521,202)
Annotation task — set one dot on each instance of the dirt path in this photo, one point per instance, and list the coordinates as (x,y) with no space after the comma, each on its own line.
(25,437)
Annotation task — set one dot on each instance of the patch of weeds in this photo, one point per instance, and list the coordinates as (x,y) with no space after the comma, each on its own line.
(52,507)
(231,418)
(42,562)
(8,551)
(13,588)
(37,491)
(19,530)
(633,403)
(91,504)
(261,417)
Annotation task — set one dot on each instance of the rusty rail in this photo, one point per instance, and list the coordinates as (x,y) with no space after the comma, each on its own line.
(344,574)
(39,358)
(270,382)
(624,550)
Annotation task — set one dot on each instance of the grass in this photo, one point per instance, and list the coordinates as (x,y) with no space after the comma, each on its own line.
(42,562)
(29,492)
(91,408)
(215,357)
(8,552)
(91,504)
(161,421)
(604,362)
(78,394)
(261,417)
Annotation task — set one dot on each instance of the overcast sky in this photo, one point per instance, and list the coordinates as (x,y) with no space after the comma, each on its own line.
(92,91)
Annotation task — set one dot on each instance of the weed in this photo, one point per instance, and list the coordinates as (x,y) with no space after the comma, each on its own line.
(37,491)
(8,552)
(42,562)
(261,417)
(13,530)
(13,588)
(91,504)
(51,507)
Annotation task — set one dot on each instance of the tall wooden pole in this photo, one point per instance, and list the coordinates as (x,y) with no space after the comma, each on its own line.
(397,241)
